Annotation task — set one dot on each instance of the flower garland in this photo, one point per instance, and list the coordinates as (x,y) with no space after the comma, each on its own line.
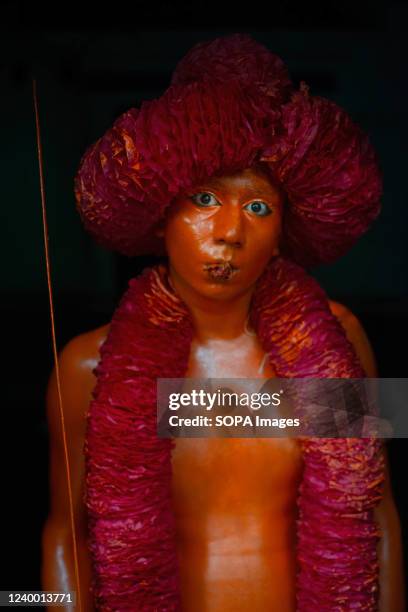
(132,526)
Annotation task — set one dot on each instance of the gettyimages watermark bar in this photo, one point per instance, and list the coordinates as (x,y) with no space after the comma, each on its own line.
(282,407)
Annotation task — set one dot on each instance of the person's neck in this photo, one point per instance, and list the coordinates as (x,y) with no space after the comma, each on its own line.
(212,318)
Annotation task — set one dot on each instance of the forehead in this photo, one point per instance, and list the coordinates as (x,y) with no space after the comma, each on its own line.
(251,181)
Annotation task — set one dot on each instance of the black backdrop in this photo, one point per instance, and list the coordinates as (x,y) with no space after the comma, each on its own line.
(93,62)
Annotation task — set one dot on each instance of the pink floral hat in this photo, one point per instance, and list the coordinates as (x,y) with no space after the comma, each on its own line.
(230,105)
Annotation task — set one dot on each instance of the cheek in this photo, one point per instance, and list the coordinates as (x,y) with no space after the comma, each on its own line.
(187,234)
(263,239)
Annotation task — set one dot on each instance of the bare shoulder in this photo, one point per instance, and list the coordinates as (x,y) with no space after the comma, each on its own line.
(76,361)
(82,352)
(357,336)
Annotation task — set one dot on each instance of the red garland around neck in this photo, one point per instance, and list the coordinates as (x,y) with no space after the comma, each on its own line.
(132,526)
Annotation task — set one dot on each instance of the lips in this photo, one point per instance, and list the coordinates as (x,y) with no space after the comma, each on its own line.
(221,270)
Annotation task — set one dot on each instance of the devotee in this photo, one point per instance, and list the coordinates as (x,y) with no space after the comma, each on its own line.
(241,182)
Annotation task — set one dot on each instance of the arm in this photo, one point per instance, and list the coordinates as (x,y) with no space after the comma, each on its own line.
(77,381)
(392,596)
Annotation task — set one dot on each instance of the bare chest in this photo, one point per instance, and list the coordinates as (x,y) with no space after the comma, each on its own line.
(235,505)
(230,475)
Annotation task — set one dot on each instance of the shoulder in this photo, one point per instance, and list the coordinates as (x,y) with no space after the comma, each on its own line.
(357,336)
(80,355)
(76,363)
(82,352)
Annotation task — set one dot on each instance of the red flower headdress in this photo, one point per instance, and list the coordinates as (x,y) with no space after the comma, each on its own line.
(231,104)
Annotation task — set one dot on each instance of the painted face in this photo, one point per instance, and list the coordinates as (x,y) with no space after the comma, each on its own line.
(221,235)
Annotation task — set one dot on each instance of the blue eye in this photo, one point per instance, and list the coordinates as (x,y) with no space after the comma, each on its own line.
(258,208)
(204,199)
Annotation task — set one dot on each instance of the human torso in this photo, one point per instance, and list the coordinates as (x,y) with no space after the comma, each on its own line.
(235,503)
(258,504)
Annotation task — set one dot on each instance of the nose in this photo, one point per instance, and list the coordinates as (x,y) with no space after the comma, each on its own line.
(228,227)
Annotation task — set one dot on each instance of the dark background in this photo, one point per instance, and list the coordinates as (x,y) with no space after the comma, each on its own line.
(93,62)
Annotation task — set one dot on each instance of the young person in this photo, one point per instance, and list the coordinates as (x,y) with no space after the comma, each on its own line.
(242,182)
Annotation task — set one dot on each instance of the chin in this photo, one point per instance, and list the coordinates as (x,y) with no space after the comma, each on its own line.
(221,291)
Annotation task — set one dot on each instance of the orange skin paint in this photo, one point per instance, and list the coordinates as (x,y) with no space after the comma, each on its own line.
(234,499)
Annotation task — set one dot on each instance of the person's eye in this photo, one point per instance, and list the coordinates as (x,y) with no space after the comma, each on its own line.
(258,208)
(204,199)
